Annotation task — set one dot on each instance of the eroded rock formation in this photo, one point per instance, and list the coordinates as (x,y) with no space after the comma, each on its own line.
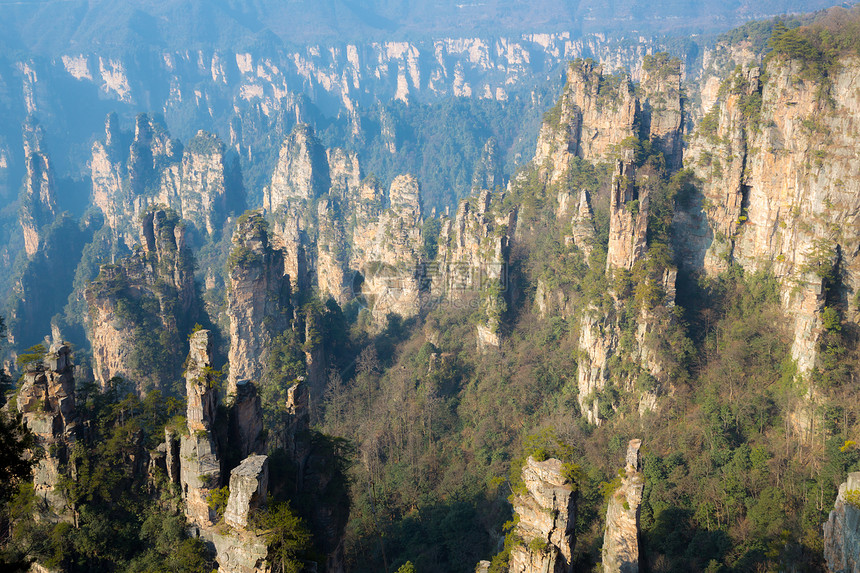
(547,517)
(47,401)
(146,302)
(249,482)
(621,538)
(258,299)
(842,530)
(200,461)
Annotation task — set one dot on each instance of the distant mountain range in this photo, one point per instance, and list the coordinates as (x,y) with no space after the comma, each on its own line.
(52,27)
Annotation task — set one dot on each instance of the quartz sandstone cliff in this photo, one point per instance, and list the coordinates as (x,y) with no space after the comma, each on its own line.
(620,552)
(47,401)
(842,530)
(780,182)
(146,302)
(546,514)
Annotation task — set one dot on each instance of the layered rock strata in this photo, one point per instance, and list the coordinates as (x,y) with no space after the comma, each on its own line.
(258,299)
(200,461)
(842,530)
(47,401)
(547,517)
(620,552)
(146,300)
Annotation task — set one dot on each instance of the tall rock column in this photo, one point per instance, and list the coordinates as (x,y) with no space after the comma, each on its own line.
(628,220)
(547,516)
(47,401)
(147,301)
(200,464)
(621,538)
(38,200)
(842,530)
(258,299)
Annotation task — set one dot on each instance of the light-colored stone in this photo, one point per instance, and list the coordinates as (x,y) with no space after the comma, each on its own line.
(547,517)
(842,530)
(620,552)
(248,484)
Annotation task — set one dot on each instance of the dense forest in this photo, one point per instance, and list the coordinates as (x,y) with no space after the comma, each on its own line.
(412,445)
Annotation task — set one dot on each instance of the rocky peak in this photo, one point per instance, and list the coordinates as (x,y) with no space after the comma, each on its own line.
(344,172)
(47,401)
(661,105)
(151,148)
(258,299)
(595,113)
(148,298)
(302,171)
(628,219)
(547,516)
(621,538)
(582,225)
(404,197)
(200,462)
(248,484)
(38,202)
(199,382)
(202,191)
(842,530)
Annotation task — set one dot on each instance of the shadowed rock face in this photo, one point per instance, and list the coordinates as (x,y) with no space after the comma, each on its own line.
(148,298)
(621,539)
(842,530)
(547,516)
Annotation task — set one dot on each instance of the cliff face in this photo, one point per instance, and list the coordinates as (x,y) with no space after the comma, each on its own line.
(140,308)
(387,253)
(779,171)
(621,538)
(842,530)
(47,401)
(472,260)
(302,171)
(258,299)
(602,120)
(594,114)
(200,461)
(155,170)
(547,517)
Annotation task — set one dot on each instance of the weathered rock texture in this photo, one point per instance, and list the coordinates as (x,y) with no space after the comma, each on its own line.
(248,484)
(842,530)
(595,114)
(258,299)
(146,303)
(781,187)
(38,202)
(628,220)
(200,462)
(155,170)
(301,172)
(47,401)
(621,539)
(547,517)
(387,253)
(472,260)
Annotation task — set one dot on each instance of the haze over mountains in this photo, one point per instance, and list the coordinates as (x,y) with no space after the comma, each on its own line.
(54,27)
